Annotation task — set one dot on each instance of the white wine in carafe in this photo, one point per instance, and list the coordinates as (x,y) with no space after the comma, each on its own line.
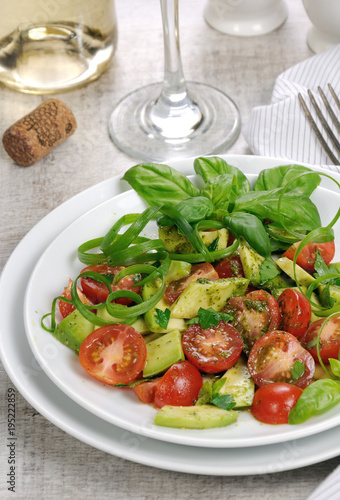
(51,46)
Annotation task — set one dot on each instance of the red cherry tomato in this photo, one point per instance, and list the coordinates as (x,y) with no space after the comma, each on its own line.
(254,315)
(296,312)
(230,267)
(146,390)
(329,339)
(273,402)
(180,386)
(66,308)
(114,354)
(307,256)
(97,292)
(212,350)
(272,359)
(198,271)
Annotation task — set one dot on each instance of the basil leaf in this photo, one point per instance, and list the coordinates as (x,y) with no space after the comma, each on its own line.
(211,167)
(272,178)
(222,190)
(268,270)
(160,184)
(298,370)
(303,184)
(335,366)
(162,317)
(252,229)
(319,397)
(298,211)
(192,209)
(226,401)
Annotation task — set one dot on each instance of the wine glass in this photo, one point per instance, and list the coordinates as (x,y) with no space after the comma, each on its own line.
(175,118)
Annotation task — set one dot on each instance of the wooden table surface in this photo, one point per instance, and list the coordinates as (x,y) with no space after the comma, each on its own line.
(51,463)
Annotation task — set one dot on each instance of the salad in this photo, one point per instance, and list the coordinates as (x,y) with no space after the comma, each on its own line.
(234,306)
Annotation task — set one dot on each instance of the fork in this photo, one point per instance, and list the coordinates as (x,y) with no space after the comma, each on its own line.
(335,142)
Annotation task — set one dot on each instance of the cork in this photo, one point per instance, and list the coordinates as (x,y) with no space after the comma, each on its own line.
(36,134)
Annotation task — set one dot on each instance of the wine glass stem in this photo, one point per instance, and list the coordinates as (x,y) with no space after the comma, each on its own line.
(174,114)
(174,81)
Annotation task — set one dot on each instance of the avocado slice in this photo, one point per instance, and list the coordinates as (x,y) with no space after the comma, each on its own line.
(175,242)
(207,293)
(302,277)
(239,384)
(72,330)
(178,270)
(194,417)
(251,263)
(162,353)
(150,317)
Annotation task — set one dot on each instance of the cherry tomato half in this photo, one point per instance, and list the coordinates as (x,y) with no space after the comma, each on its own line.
(296,312)
(329,339)
(307,256)
(198,271)
(212,350)
(97,292)
(114,354)
(146,391)
(254,315)
(66,308)
(273,402)
(272,359)
(230,267)
(180,386)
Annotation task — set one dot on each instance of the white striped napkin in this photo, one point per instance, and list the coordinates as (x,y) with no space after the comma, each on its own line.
(281,128)
(329,489)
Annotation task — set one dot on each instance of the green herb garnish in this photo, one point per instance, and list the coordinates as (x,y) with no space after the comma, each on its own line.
(209,317)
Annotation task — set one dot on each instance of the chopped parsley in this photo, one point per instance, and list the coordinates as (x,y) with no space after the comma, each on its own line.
(162,317)
(209,317)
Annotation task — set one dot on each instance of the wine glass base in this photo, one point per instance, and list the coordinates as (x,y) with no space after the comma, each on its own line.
(217,131)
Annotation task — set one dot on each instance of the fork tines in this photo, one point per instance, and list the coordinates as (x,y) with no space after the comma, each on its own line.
(333,139)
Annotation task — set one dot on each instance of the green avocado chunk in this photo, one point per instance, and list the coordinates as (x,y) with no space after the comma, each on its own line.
(72,330)
(194,417)
(162,353)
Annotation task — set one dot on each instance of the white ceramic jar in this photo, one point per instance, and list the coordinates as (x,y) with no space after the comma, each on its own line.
(325,16)
(245,17)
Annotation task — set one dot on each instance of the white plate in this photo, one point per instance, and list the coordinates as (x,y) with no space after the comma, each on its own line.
(46,398)
(122,407)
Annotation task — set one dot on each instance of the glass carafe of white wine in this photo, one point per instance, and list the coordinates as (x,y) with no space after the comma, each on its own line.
(57,45)
(175,118)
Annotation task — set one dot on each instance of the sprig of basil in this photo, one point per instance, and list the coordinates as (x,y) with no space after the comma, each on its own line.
(192,209)
(252,229)
(298,211)
(319,397)
(209,168)
(222,190)
(272,178)
(159,184)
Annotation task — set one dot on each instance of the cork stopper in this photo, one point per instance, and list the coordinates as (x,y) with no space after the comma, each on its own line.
(36,134)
